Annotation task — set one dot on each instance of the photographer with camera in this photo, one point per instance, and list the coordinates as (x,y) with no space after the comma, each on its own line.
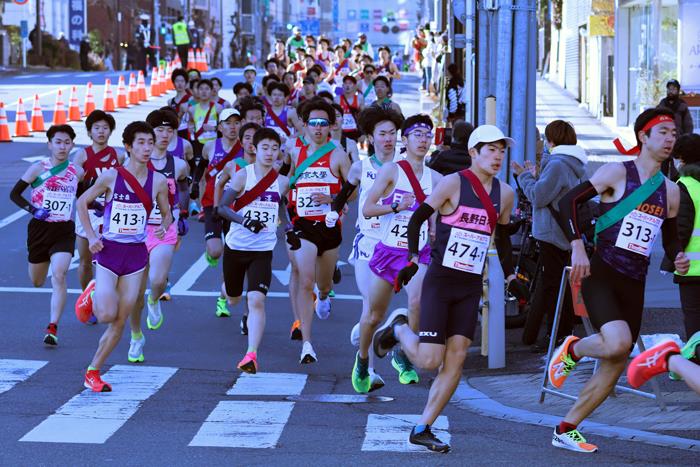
(561,170)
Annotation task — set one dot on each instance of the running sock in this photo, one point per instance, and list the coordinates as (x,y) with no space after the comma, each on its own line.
(136,336)
(573,355)
(565,427)
(92,368)
(421,428)
(669,355)
(151,300)
(252,349)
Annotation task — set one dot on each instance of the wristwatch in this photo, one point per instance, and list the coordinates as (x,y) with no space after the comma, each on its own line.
(395,207)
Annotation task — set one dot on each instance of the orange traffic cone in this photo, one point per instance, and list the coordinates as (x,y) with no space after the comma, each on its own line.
(141,87)
(4,126)
(200,60)
(133,92)
(59,110)
(89,100)
(177,63)
(121,93)
(108,101)
(191,63)
(21,124)
(73,106)
(37,115)
(205,65)
(168,75)
(155,83)
(162,80)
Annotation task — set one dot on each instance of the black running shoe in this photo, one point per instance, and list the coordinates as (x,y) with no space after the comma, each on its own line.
(384,339)
(429,440)
(244,325)
(337,275)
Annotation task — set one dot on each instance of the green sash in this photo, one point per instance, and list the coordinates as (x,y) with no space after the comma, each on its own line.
(628,204)
(50,173)
(318,153)
(368,90)
(240,162)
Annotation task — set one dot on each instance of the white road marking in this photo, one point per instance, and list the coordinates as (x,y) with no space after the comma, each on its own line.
(190,276)
(244,424)
(268,384)
(92,417)
(55,75)
(85,75)
(12,217)
(34,159)
(26,76)
(283,275)
(16,371)
(390,432)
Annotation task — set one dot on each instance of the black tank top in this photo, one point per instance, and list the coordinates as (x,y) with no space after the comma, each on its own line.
(462,238)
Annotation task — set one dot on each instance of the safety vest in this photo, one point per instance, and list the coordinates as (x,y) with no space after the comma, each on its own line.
(180,33)
(693,248)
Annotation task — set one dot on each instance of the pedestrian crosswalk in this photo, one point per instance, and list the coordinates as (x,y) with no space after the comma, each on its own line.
(252,413)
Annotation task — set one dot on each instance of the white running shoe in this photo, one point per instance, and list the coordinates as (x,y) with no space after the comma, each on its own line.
(155,316)
(573,441)
(307,354)
(136,349)
(355,335)
(375,381)
(323,308)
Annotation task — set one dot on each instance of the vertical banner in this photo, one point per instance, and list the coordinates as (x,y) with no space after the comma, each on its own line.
(689,49)
(76,18)
(336,16)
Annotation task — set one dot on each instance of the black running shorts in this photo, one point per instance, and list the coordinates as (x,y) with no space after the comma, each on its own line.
(46,238)
(257,265)
(317,233)
(449,304)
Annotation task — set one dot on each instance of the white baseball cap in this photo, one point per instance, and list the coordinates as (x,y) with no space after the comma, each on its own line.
(226,113)
(488,134)
(250,68)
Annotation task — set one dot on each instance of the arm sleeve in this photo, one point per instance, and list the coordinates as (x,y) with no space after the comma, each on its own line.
(568,208)
(224,208)
(669,237)
(17,198)
(284,170)
(505,249)
(199,171)
(421,215)
(183,188)
(343,195)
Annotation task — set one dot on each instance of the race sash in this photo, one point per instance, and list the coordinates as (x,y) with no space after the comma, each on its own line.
(138,190)
(415,184)
(199,132)
(483,197)
(310,160)
(275,118)
(256,191)
(368,90)
(225,160)
(50,173)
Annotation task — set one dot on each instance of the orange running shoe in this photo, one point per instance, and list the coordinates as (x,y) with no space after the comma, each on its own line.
(83,307)
(561,363)
(94,382)
(249,364)
(295,333)
(650,363)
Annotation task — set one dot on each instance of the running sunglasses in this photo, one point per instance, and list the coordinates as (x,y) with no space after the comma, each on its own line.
(322,122)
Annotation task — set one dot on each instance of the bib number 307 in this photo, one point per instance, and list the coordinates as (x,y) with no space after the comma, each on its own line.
(638,232)
(466,251)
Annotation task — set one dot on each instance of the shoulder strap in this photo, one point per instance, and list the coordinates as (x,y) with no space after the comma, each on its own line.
(318,154)
(415,184)
(138,189)
(225,160)
(256,191)
(628,204)
(278,121)
(368,90)
(50,173)
(483,196)
(199,132)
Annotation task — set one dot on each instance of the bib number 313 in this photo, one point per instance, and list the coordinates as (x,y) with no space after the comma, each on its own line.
(638,232)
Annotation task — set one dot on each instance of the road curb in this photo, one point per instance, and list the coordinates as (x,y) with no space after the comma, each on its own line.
(469,398)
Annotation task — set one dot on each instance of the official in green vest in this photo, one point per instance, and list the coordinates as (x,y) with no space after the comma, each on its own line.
(181,39)
(687,150)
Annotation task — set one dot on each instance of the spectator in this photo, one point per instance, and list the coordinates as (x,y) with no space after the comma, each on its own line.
(454,95)
(84,51)
(419,44)
(454,157)
(561,171)
(364,44)
(428,57)
(181,39)
(673,102)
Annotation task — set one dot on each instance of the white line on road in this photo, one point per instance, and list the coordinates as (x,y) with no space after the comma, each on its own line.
(85,75)
(26,76)
(92,417)
(244,424)
(268,384)
(12,217)
(390,432)
(56,75)
(16,371)
(190,276)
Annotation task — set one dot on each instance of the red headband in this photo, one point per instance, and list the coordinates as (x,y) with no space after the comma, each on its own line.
(650,124)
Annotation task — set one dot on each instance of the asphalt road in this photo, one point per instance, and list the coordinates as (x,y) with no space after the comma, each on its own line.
(187,403)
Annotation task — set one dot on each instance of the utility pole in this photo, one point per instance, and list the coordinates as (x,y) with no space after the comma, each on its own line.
(37,37)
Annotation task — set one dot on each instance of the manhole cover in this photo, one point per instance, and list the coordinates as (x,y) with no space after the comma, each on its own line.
(339,398)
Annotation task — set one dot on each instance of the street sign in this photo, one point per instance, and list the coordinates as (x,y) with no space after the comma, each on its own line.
(24,29)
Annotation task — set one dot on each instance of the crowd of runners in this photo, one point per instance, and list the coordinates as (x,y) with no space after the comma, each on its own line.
(287,159)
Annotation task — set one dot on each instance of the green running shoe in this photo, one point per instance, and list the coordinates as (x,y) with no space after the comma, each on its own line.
(222,309)
(690,352)
(407,374)
(360,375)
(213,262)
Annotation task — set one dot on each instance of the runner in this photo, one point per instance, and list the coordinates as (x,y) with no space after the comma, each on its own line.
(382,88)
(241,91)
(252,110)
(319,169)
(216,87)
(257,191)
(249,74)
(179,103)
(180,147)
(51,231)
(160,250)
(120,252)
(308,91)
(399,187)
(351,102)
(636,202)
(278,115)
(369,95)
(290,80)
(348,144)
(93,160)
(385,67)
(471,206)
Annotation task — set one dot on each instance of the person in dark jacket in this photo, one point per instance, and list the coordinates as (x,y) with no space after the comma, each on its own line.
(673,102)
(457,157)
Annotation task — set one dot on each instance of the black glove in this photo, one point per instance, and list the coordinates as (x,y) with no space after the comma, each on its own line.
(254,225)
(293,241)
(405,275)
(518,289)
(194,193)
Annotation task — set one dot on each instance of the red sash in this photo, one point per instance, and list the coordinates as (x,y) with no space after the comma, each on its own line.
(483,197)
(256,191)
(225,160)
(275,118)
(138,189)
(415,184)
(199,132)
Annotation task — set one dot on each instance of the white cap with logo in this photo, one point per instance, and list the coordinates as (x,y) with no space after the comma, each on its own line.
(227,113)
(488,134)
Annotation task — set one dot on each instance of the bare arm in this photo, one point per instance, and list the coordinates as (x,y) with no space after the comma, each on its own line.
(382,184)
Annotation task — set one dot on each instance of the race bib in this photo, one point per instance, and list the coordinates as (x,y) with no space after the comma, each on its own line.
(397,235)
(466,251)
(369,224)
(263,211)
(638,232)
(349,122)
(306,206)
(60,205)
(127,218)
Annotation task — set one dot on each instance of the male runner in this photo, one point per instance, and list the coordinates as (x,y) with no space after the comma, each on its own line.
(252,110)
(93,160)
(241,90)
(216,87)
(308,91)
(257,191)
(396,193)
(249,74)
(349,145)
(278,116)
(369,95)
(180,147)
(160,250)
(472,206)
(51,231)
(351,102)
(120,251)
(319,169)
(382,88)
(636,202)
(180,101)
